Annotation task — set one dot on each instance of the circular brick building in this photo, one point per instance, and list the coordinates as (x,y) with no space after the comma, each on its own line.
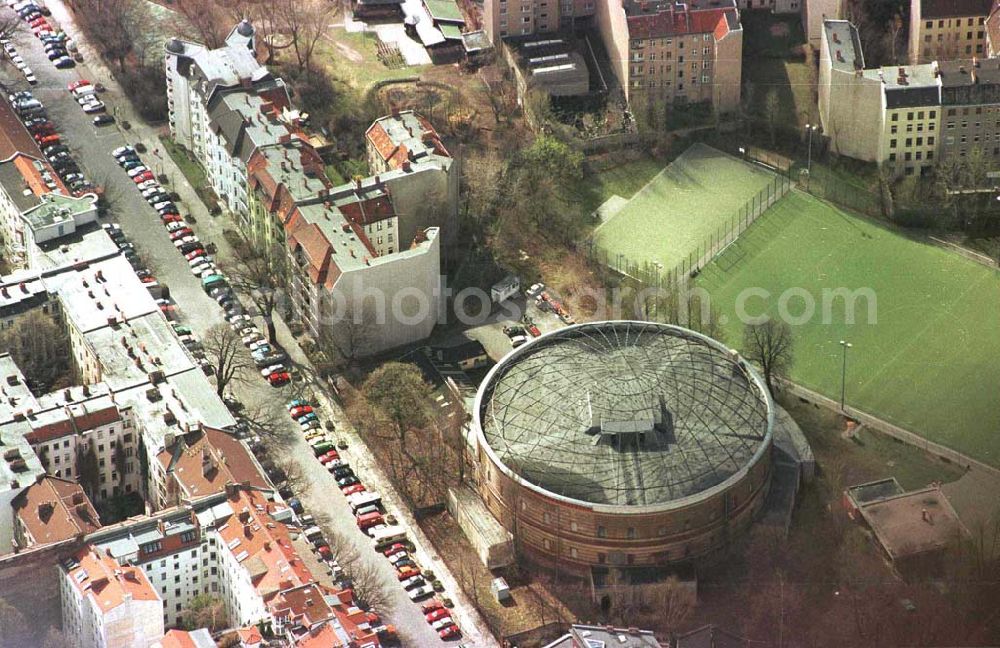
(623,443)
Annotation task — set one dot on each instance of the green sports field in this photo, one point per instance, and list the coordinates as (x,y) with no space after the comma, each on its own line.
(930,363)
(681,207)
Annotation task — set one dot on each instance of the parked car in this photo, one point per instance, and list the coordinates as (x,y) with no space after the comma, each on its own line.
(437,613)
(103,120)
(418,593)
(279,379)
(449,632)
(300,410)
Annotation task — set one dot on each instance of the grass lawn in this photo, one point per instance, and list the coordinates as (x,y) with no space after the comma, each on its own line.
(681,207)
(353,57)
(928,363)
(192,170)
(621,180)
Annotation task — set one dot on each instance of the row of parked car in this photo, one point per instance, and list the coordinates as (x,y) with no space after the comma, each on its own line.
(85,94)
(35,118)
(371,517)
(58,45)
(270,361)
(11,51)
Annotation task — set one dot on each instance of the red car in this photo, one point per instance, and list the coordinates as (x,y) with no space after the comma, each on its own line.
(300,410)
(394,549)
(190,256)
(47,140)
(369,520)
(434,615)
(171,218)
(180,233)
(76,84)
(144,176)
(149,279)
(534,330)
(431,605)
(352,489)
(406,572)
(39,22)
(449,632)
(328,457)
(279,378)
(324,552)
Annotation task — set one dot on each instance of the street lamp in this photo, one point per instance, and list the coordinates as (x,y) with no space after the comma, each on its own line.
(812,128)
(843,374)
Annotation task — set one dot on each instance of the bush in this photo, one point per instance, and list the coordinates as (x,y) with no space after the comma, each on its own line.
(438,587)
(446,602)
(429,574)
(147,90)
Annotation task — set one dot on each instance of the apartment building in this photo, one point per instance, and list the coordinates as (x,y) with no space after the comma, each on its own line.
(970,108)
(675,52)
(941,30)
(202,462)
(374,239)
(775,6)
(52,510)
(911,118)
(514,18)
(888,115)
(106,604)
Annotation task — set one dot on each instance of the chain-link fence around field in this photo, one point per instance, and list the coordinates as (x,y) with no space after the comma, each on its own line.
(654,274)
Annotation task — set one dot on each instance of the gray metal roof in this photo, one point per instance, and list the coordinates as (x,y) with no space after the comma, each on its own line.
(624,413)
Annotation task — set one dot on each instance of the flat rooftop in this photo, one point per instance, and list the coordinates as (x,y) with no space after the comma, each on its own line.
(844,45)
(624,413)
(913,523)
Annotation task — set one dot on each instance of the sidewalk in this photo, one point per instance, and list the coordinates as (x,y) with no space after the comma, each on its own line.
(210,229)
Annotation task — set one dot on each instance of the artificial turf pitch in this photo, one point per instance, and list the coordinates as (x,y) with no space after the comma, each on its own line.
(930,363)
(681,208)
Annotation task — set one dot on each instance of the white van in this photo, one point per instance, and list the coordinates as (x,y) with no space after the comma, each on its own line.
(383,535)
(363,499)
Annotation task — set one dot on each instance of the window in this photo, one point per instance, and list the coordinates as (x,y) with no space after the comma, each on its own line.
(188,536)
(573,552)
(892,157)
(631,533)
(151,547)
(892,143)
(909,142)
(893,130)
(895,116)
(602,532)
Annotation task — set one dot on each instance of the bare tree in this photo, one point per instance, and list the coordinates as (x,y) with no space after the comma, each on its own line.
(368,585)
(205,611)
(350,337)
(769,344)
(261,274)
(40,348)
(304,22)
(114,26)
(263,419)
(209,20)
(224,349)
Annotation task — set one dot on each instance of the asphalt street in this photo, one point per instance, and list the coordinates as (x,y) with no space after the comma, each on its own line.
(91,146)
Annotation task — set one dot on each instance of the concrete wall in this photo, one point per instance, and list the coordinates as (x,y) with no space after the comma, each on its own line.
(425,197)
(728,76)
(408,278)
(850,109)
(30,582)
(613,25)
(573,537)
(813,14)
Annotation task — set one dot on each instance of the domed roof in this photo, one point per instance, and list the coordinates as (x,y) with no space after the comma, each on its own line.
(624,413)
(245,28)
(175,46)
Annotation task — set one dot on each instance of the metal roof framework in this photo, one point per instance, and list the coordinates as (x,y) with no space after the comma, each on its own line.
(624,414)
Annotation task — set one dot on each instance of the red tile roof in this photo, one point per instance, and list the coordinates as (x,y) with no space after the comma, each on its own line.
(15,138)
(674,23)
(55,509)
(249,636)
(208,460)
(73,424)
(177,639)
(369,211)
(107,583)
(261,545)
